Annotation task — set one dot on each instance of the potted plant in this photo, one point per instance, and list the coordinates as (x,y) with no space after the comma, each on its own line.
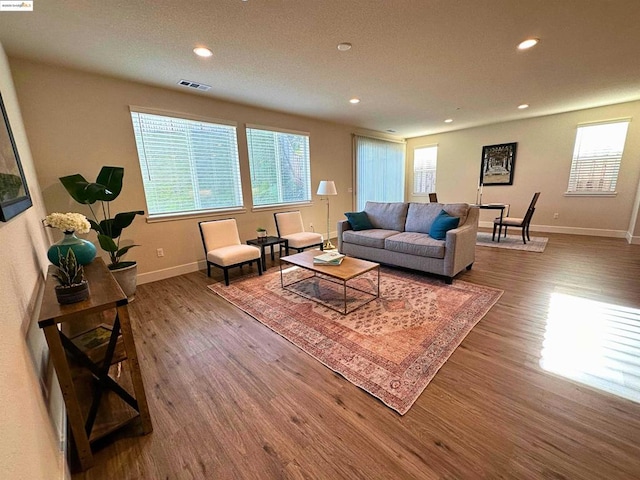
(109,227)
(72,286)
(261,232)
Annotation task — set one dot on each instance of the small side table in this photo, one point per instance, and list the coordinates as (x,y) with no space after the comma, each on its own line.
(269,242)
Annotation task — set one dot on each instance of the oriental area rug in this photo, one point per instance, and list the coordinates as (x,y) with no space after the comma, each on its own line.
(390,347)
(512,242)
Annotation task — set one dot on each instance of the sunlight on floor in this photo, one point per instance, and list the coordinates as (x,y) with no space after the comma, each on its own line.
(594,343)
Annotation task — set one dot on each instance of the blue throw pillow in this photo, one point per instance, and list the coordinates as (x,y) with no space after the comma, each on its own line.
(442,224)
(359,220)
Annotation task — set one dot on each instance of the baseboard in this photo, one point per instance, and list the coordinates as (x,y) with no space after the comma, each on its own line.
(171,272)
(632,240)
(594,232)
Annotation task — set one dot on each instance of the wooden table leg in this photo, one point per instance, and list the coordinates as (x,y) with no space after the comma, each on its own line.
(136,376)
(76,422)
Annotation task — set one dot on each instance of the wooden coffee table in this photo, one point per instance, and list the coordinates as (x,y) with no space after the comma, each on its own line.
(349,269)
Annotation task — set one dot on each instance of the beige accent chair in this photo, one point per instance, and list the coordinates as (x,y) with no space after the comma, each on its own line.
(289,225)
(522,223)
(222,247)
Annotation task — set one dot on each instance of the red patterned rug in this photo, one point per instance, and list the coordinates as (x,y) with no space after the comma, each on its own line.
(390,347)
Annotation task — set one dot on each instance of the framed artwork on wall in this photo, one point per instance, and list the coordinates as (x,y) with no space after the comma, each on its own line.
(498,163)
(14,194)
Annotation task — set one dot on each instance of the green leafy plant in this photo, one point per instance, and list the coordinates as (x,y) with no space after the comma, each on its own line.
(69,272)
(260,229)
(109,228)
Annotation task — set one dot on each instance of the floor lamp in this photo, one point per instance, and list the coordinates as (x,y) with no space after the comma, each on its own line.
(327,188)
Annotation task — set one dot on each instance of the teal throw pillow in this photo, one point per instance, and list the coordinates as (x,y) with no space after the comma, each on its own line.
(359,220)
(442,224)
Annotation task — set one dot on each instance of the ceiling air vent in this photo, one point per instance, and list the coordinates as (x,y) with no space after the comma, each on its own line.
(194,85)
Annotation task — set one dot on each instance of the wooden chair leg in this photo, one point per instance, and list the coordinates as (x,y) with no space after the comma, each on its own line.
(493,237)
(208,269)
(259,267)
(524,233)
(226,276)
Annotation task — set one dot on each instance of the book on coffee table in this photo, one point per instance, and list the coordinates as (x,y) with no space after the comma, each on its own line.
(329,258)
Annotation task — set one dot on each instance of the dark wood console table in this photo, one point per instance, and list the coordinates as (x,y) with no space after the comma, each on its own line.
(94,381)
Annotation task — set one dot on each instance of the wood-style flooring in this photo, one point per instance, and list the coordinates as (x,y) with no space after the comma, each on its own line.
(230,399)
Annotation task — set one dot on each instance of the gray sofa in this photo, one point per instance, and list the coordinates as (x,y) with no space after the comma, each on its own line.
(400,237)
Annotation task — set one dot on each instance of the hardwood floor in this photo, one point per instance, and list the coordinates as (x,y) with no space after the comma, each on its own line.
(230,399)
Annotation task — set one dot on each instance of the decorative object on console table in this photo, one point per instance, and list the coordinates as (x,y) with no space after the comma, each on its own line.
(109,229)
(14,194)
(497,165)
(70,224)
(327,188)
(72,286)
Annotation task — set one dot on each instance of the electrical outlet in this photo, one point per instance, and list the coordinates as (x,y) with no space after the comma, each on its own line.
(555,215)
(160,252)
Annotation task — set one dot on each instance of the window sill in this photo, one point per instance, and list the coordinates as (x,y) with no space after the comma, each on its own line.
(170,217)
(281,206)
(590,194)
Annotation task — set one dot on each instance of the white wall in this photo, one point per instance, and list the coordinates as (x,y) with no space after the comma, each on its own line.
(78,122)
(28,444)
(543,161)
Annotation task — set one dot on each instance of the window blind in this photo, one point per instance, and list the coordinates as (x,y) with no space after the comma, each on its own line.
(596,158)
(280,167)
(379,170)
(424,169)
(187,166)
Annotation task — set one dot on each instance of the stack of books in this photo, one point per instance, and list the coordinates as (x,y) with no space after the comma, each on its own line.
(329,258)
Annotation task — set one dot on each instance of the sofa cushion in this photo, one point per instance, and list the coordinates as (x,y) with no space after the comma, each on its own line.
(442,224)
(460,210)
(415,243)
(421,215)
(359,220)
(368,238)
(386,215)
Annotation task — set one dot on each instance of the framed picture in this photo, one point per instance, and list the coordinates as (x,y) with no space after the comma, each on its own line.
(498,162)
(14,194)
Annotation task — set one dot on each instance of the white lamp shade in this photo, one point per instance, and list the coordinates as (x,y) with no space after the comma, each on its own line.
(327,187)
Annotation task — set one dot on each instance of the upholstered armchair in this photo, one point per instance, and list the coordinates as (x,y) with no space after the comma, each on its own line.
(289,225)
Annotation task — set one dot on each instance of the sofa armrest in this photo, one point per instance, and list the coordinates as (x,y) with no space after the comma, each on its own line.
(343,225)
(460,244)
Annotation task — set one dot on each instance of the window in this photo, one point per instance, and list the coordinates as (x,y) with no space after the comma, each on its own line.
(596,158)
(187,165)
(280,167)
(379,170)
(424,169)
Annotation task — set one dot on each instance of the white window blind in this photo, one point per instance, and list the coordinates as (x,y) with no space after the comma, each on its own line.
(280,167)
(424,169)
(596,158)
(379,170)
(187,166)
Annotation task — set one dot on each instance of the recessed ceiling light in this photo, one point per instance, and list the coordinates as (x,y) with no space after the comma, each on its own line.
(354,100)
(202,52)
(344,46)
(528,43)
(448,120)
(523,106)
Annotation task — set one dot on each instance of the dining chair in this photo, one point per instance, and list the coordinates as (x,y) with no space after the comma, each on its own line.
(433,197)
(290,226)
(222,247)
(522,223)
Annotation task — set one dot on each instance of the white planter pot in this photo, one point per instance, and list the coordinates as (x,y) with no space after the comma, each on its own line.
(127,278)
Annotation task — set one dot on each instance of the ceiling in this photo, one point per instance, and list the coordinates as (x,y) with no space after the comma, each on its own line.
(414,63)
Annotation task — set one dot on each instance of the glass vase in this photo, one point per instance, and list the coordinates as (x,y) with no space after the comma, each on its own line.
(84,250)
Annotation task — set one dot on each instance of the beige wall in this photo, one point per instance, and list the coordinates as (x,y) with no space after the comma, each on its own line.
(78,122)
(543,161)
(28,444)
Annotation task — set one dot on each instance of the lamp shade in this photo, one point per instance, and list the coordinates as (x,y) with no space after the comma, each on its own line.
(327,187)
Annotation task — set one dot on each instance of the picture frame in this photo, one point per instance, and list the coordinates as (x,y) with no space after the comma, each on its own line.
(497,164)
(14,193)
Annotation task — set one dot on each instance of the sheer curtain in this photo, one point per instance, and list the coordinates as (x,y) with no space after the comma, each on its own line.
(380,166)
